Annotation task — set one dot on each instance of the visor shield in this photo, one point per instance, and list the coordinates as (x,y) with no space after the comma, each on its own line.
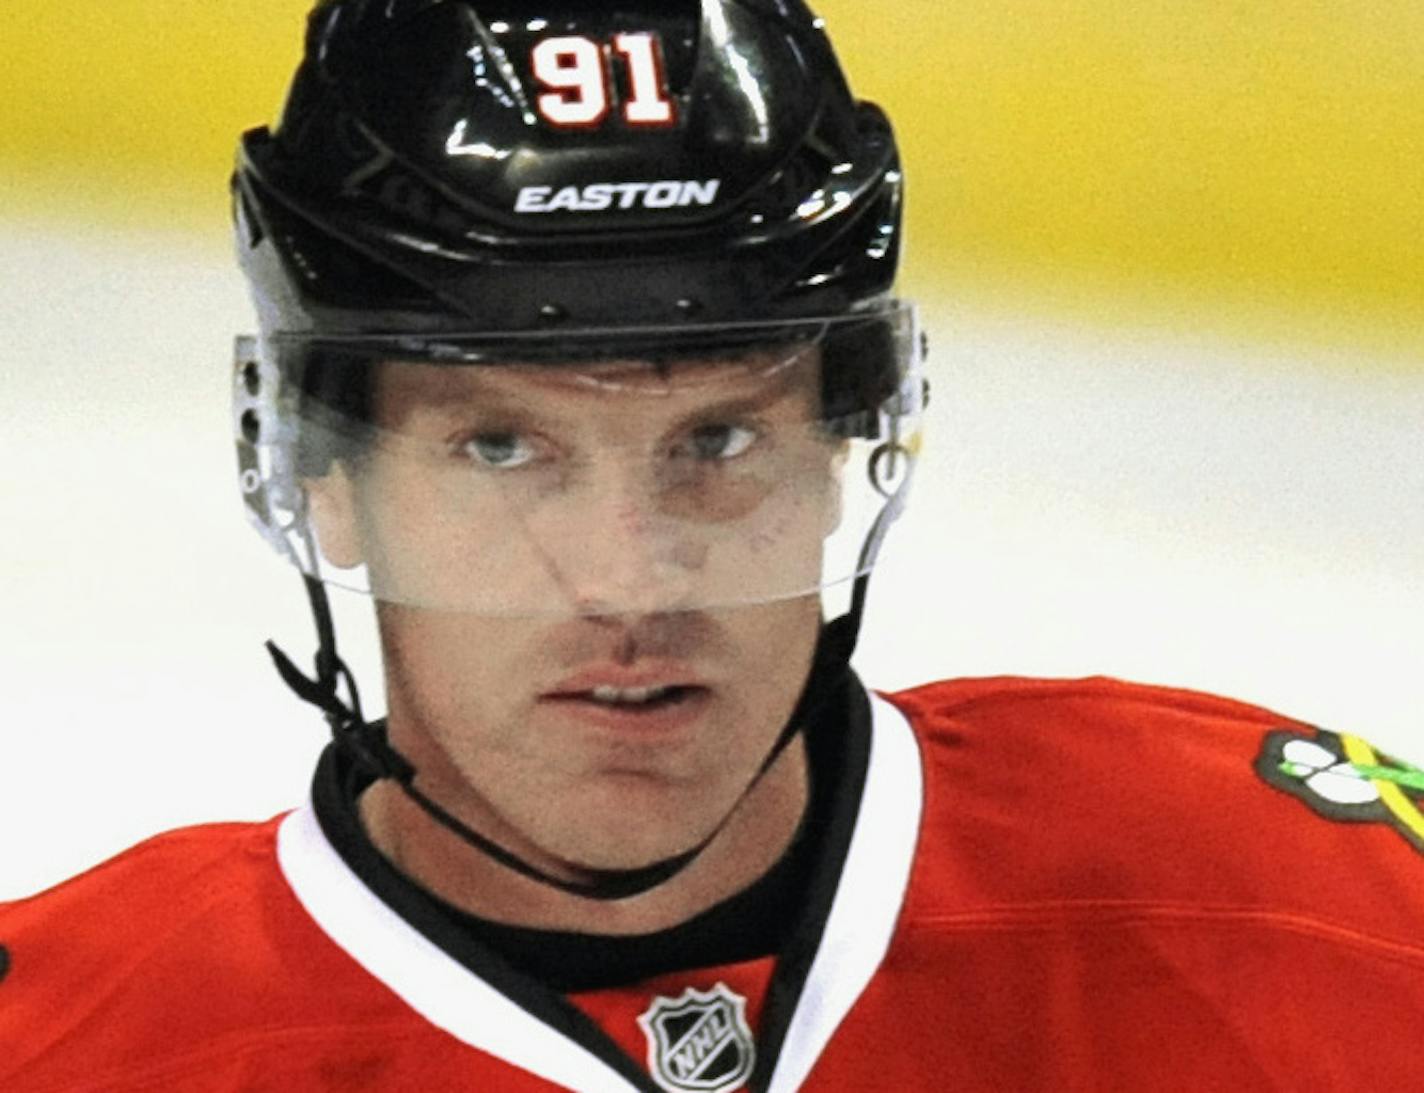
(523,476)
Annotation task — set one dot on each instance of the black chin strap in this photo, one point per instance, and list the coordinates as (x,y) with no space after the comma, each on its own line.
(367,743)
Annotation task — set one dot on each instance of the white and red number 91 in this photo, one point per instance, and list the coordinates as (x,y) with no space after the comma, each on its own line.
(579,83)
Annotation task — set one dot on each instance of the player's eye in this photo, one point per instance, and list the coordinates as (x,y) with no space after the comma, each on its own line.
(718,441)
(499,450)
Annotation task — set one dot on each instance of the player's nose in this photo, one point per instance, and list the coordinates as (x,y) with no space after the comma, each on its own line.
(625,553)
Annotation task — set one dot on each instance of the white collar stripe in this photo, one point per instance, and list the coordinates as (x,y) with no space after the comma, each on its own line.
(868,897)
(441,990)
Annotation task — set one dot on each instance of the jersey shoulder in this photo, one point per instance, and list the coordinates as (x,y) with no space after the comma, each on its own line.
(1107,699)
(187,945)
(1170,883)
(169,855)
(149,892)
(1098,790)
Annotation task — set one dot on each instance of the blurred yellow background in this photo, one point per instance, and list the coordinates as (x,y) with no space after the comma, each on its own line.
(1260,163)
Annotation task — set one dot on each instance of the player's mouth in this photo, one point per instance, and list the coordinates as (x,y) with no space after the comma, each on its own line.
(641,698)
(647,706)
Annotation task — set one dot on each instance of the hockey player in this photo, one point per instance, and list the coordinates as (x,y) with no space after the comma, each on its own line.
(578,352)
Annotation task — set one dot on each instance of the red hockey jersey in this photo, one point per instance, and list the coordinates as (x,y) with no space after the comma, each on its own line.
(1046,886)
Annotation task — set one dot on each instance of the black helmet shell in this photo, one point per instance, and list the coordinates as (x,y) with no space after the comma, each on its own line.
(417,182)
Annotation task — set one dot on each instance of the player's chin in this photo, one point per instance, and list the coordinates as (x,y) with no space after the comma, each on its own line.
(637,827)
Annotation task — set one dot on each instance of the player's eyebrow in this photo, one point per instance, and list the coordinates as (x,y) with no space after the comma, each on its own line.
(739,405)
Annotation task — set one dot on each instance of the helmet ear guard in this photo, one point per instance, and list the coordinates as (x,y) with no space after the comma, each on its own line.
(268,472)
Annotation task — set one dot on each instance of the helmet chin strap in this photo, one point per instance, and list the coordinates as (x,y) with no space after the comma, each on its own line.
(367,743)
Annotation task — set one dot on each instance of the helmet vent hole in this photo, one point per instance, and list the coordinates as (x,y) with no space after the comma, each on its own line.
(251,427)
(251,381)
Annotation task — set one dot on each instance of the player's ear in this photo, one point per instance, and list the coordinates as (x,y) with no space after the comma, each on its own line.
(331,499)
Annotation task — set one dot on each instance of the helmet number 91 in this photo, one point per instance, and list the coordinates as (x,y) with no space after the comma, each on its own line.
(579,92)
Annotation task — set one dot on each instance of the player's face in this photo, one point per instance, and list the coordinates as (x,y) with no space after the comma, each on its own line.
(624,728)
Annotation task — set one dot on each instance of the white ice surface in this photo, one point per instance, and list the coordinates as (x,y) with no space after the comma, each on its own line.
(1232,517)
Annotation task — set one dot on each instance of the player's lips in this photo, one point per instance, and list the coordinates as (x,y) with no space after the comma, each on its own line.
(647,698)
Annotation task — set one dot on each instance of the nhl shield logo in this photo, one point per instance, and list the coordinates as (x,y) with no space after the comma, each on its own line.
(699,1042)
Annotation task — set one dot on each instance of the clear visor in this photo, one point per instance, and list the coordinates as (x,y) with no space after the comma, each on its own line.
(521,477)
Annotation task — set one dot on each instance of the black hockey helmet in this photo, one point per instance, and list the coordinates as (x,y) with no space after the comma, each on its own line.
(491,165)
